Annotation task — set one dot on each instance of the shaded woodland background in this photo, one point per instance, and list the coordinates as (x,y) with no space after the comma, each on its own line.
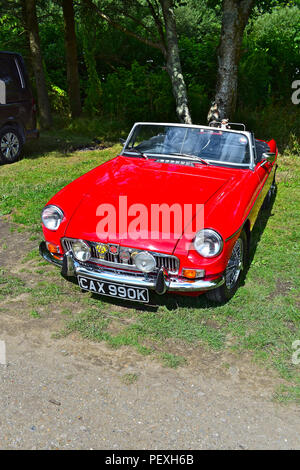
(104,61)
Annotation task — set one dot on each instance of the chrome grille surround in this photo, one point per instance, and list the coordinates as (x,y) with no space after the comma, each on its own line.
(169,262)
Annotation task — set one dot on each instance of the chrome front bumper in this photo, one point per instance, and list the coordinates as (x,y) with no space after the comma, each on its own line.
(160,283)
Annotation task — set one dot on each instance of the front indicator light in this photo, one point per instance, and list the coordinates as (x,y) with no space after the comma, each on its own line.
(54,249)
(193,273)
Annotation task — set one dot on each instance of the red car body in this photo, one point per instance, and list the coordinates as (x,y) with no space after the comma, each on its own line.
(232,198)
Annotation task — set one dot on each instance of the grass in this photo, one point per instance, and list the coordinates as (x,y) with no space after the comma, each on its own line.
(129,379)
(171,360)
(261,319)
(11,285)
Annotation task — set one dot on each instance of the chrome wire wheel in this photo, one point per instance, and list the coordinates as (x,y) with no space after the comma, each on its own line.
(234,271)
(10,146)
(235,264)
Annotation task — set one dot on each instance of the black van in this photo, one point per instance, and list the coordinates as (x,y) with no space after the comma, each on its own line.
(17,107)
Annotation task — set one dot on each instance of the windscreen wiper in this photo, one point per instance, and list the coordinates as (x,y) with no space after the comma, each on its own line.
(191,157)
(135,150)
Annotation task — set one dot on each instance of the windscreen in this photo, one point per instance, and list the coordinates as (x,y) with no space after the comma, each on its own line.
(213,145)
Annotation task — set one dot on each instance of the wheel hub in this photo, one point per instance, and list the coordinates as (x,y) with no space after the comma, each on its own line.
(10,145)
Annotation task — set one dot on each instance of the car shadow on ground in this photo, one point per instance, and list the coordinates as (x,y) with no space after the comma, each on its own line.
(258,229)
(61,146)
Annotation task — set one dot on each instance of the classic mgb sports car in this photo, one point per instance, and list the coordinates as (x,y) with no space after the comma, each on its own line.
(172,213)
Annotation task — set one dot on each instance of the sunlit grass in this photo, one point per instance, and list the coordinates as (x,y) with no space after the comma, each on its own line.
(262,318)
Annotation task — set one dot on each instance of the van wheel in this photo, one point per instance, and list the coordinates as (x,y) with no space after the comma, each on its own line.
(11,144)
(233,272)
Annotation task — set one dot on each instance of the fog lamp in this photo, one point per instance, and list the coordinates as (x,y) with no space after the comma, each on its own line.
(81,250)
(145,262)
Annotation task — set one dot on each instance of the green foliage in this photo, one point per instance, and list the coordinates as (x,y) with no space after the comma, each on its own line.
(59,100)
(273,56)
(139,93)
(254,78)
(12,34)
(276,121)
(53,47)
(198,20)
(93,88)
(124,79)
(198,102)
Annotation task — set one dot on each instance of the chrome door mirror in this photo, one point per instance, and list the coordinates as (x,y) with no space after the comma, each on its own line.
(268,157)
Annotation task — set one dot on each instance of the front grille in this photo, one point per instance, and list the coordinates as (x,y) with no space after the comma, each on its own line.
(169,262)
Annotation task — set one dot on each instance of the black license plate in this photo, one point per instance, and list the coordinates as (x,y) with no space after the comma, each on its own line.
(139,294)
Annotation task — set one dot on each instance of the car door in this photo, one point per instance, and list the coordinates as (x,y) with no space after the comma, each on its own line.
(263,169)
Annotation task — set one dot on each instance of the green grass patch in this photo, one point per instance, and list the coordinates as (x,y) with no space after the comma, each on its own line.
(129,379)
(262,318)
(11,285)
(35,314)
(172,360)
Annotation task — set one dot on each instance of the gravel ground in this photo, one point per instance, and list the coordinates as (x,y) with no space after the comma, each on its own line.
(71,393)
(53,397)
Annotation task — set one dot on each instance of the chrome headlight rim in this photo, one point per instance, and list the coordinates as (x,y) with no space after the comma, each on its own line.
(150,257)
(206,232)
(85,245)
(56,209)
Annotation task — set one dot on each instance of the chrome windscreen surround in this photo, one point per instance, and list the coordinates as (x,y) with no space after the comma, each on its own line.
(169,262)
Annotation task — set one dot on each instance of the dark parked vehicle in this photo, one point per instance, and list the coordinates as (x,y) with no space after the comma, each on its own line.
(17,107)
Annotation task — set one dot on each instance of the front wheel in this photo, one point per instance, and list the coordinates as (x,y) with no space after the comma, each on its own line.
(10,145)
(233,272)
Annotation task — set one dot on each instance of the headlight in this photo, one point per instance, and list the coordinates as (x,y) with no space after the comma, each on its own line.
(208,243)
(145,261)
(52,217)
(81,250)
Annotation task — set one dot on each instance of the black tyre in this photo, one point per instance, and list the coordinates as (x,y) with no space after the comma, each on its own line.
(233,273)
(11,144)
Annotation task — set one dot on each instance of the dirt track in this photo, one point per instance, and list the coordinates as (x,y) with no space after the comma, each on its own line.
(70,393)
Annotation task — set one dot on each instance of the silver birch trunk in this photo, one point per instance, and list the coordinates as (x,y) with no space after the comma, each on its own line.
(173,63)
(235,17)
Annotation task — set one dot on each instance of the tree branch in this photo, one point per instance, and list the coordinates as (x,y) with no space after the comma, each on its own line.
(158,22)
(117,25)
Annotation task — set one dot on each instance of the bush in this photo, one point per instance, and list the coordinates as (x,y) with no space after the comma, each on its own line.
(274,121)
(140,93)
(273,45)
(59,100)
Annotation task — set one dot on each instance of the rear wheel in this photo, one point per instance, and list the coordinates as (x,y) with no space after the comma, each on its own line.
(10,144)
(233,272)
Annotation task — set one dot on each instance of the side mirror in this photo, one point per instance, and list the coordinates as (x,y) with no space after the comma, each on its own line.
(122,141)
(268,157)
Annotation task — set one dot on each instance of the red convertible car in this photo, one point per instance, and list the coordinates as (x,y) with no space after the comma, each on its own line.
(173,213)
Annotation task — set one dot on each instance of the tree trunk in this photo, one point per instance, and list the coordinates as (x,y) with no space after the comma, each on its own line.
(235,17)
(173,63)
(71,58)
(37,62)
